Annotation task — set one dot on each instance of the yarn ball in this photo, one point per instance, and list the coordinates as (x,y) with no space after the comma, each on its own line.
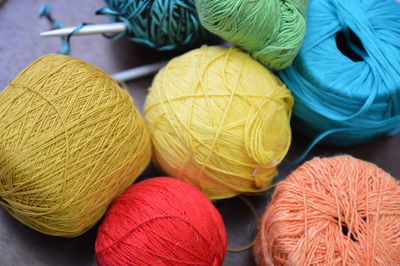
(162,25)
(161,221)
(332,211)
(219,120)
(270,30)
(346,79)
(71,141)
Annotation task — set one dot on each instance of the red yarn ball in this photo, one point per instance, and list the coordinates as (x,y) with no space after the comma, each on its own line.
(161,221)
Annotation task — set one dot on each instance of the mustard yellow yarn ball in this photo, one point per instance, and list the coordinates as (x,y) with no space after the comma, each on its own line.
(71,141)
(219,120)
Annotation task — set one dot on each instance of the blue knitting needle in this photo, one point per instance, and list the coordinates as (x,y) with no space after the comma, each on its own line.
(87,30)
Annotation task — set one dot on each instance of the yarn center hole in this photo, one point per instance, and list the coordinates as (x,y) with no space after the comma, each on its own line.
(350,45)
(345,230)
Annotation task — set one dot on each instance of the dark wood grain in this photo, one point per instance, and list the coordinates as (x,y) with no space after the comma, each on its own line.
(20,44)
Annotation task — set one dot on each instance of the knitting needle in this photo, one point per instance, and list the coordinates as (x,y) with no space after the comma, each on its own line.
(87,29)
(138,72)
(130,74)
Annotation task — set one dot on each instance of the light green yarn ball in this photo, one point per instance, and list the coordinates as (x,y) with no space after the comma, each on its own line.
(270,30)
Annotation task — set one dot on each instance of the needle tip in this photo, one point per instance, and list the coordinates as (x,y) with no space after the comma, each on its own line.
(44,34)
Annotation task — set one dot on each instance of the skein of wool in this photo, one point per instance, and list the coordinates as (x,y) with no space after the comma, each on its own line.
(346,78)
(219,120)
(162,25)
(332,211)
(161,221)
(271,31)
(71,141)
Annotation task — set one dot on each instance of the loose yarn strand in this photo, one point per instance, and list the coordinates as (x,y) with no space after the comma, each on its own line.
(317,140)
(45,12)
(255,215)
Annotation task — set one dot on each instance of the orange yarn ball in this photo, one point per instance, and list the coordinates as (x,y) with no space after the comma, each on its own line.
(332,211)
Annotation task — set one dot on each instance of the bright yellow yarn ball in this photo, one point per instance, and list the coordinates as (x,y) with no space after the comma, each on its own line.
(219,120)
(71,141)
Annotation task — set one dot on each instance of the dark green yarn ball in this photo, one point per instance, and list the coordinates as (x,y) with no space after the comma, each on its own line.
(160,24)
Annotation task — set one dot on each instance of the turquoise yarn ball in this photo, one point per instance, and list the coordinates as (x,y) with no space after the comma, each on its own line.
(270,30)
(160,24)
(346,78)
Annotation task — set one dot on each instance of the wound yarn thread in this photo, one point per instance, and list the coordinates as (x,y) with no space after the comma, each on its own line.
(219,120)
(160,24)
(161,221)
(71,141)
(346,78)
(270,30)
(332,211)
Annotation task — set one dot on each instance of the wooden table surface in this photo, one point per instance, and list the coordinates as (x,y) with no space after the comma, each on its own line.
(20,44)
